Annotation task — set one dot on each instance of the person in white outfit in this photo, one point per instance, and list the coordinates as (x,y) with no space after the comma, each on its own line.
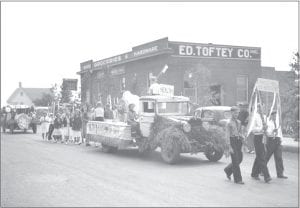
(45,122)
(99,112)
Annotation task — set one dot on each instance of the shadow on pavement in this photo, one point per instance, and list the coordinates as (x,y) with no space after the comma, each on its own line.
(184,160)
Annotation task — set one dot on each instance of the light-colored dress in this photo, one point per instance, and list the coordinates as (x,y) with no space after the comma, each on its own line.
(45,122)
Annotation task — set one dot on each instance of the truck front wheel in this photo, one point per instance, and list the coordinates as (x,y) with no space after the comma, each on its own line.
(214,154)
(170,152)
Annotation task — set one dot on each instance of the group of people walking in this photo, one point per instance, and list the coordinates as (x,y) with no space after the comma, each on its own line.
(266,143)
(71,127)
(65,127)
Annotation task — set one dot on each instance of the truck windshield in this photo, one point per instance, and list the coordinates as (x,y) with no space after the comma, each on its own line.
(178,108)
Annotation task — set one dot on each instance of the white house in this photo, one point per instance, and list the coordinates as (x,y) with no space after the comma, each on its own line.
(26,96)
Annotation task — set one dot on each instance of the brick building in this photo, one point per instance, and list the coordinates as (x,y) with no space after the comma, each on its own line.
(222,74)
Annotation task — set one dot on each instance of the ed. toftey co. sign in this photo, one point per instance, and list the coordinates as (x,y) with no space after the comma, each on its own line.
(215,51)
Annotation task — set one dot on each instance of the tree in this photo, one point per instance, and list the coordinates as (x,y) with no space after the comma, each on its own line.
(290,96)
(66,94)
(46,100)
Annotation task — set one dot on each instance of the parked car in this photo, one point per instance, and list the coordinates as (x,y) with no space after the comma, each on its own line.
(214,114)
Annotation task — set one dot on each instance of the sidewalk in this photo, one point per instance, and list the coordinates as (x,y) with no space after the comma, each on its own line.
(290,145)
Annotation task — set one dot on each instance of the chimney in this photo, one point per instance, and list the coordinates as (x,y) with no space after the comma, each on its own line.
(20,84)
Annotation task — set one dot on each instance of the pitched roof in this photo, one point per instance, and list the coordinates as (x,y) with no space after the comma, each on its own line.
(36,93)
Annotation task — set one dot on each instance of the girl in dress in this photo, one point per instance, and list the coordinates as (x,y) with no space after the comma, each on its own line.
(57,132)
(45,122)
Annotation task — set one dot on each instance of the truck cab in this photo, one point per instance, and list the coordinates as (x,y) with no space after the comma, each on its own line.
(153,105)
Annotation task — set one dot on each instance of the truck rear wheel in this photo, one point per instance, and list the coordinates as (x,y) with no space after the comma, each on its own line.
(108,149)
(214,154)
(170,152)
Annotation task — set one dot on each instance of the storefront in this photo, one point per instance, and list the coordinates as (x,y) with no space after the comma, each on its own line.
(209,74)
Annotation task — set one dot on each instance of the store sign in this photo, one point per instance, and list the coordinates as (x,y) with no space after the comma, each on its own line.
(162,89)
(86,65)
(117,71)
(166,90)
(137,51)
(70,84)
(145,51)
(215,51)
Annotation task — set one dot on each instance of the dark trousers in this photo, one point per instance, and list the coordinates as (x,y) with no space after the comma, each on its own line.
(50,131)
(274,147)
(260,163)
(236,159)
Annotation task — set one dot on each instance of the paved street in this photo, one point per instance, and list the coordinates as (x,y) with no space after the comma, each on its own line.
(40,173)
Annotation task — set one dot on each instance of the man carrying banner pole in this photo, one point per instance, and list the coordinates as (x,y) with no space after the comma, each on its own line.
(258,130)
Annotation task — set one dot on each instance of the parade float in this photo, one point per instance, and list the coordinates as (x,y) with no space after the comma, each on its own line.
(21,119)
(164,122)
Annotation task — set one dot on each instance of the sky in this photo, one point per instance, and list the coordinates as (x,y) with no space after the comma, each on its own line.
(44,42)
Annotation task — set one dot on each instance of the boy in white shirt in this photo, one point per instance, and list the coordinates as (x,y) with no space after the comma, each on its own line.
(260,164)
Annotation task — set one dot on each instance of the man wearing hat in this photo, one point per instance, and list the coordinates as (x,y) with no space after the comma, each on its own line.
(274,146)
(236,142)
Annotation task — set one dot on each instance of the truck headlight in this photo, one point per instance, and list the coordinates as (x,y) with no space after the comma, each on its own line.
(186,127)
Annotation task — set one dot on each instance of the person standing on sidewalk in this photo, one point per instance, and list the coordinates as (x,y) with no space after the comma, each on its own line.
(236,142)
(258,130)
(274,145)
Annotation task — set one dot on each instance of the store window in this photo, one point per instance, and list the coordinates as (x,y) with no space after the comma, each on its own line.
(242,89)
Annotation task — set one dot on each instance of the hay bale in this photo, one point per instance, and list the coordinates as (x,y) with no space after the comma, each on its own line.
(166,130)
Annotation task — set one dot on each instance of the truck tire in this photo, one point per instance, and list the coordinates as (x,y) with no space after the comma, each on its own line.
(170,153)
(214,154)
(108,149)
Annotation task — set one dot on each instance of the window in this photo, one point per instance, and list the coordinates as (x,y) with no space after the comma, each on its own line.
(21,93)
(242,88)
(173,108)
(148,107)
